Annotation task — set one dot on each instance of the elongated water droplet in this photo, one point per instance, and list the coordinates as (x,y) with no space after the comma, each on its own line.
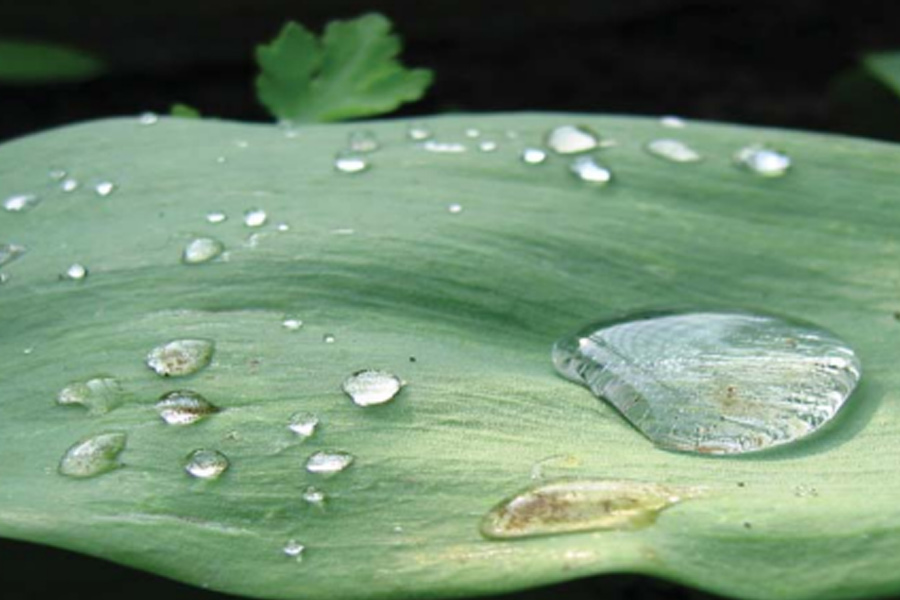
(762,160)
(673,150)
(714,383)
(292,324)
(572,139)
(93,456)
(418,132)
(487,145)
(215,217)
(148,118)
(572,506)
(444,147)
(303,424)
(180,357)
(255,217)
(328,462)
(294,549)
(370,387)
(313,495)
(75,272)
(184,407)
(10,252)
(672,122)
(105,188)
(201,250)
(98,394)
(588,169)
(362,141)
(69,184)
(21,203)
(206,464)
(350,162)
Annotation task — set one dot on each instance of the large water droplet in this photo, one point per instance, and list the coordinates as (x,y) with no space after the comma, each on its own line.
(206,464)
(370,387)
(98,394)
(303,424)
(21,202)
(294,549)
(184,407)
(362,141)
(105,188)
(75,272)
(350,162)
(572,139)
(762,160)
(255,217)
(714,383)
(673,150)
(588,169)
(201,250)
(10,252)
(93,456)
(328,462)
(572,506)
(180,357)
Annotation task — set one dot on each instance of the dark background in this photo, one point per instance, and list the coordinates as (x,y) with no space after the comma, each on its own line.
(779,63)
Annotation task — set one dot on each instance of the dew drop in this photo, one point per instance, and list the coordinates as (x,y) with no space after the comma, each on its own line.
(215,217)
(255,217)
(294,549)
(805,491)
(588,169)
(4,277)
(148,118)
(20,203)
(313,495)
(572,506)
(672,122)
(473,132)
(350,162)
(105,188)
(201,250)
(533,156)
(206,464)
(370,387)
(69,185)
(454,209)
(362,141)
(327,462)
(487,146)
(180,357)
(328,338)
(10,252)
(303,424)
(93,456)
(418,132)
(75,272)
(98,394)
(762,160)
(572,139)
(292,324)
(184,407)
(713,383)
(58,174)
(673,150)
(444,147)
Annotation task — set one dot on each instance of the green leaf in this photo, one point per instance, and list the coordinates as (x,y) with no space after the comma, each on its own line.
(476,298)
(885,66)
(353,72)
(29,63)
(184,111)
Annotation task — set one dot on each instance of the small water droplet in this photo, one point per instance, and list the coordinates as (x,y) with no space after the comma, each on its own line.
(27,351)
(370,387)
(294,549)
(148,118)
(487,146)
(215,217)
(350,162)
(328,338)
(314,496)
(362,141)
(255,217)
(473,132)
(10,252)
(588,169)
(455,208)
(206,464)
(572,139)
(283,227)
(184,407)
(201,250)
(572,506)
(58,174)
(303,424)
(21,203)
(75,272)
(673,150)
(93,456)
(98,395)
(418,132)
(444,147)
(762,160)
(292,324)
(242,144)
(180,357)
(327,462)
(672,122)
(69,185)
(105,188)
(533,156)
(713,383)
(805,491)
(4,277)
(221,160)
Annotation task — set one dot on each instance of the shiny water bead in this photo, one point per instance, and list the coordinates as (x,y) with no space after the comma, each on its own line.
(672,122)
(487,146)
(292,324)
(473,132)
(105,188)
(294,549)
(180,357)
(714,383)
(93,456)
(148,118)
(206,464)
(313,495)
(762,160)
(4,277)
(444,147)
(418,132)
(572,139)
(184,407)
(326,463)
(255,217)
(75,272)
(329,338)
(455,209)
(370,387)
(20,203)
(303,424)
(362,141)
(201,250)
(588,169)
(673,151)
(98,395)
(350,162)
(10,252)
(215,217)
(69,185)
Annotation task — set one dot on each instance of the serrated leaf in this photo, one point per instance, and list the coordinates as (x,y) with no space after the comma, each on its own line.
(476,297)
(31,62)
(353,72)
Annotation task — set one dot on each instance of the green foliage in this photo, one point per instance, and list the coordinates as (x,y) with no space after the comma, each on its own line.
(476,298)
(352,72)
(29,63)
(184,111)
(885,67)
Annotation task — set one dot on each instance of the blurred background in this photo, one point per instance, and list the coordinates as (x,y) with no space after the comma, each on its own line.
(788,63)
